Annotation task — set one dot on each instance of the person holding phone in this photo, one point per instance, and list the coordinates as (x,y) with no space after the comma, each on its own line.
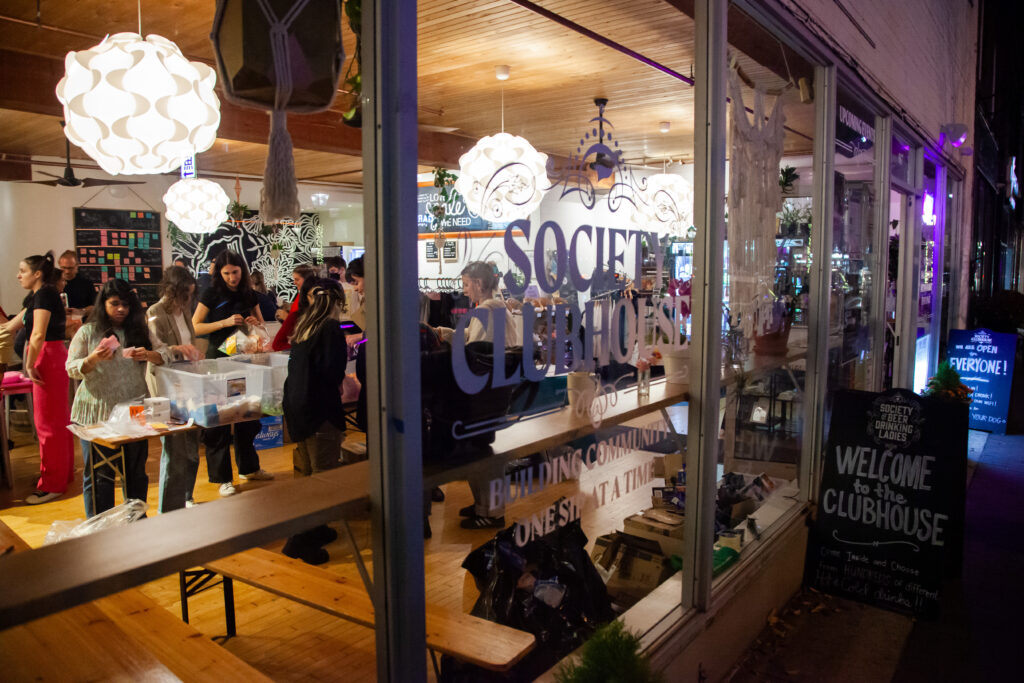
(228,304)
(109,355)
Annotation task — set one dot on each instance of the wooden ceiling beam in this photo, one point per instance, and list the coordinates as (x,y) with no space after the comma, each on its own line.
(30,82)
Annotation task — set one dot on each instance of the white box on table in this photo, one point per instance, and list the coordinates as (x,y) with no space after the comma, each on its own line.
(211,392)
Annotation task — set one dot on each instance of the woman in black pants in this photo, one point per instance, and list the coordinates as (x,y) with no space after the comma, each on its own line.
(226,305)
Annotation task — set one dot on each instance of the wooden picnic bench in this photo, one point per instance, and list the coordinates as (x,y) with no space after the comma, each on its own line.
(463,636)
(126,636)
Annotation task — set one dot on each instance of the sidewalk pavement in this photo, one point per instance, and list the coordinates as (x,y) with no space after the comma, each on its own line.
(980,634)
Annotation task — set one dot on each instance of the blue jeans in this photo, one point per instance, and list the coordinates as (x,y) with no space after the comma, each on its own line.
(98,480)
(179,462)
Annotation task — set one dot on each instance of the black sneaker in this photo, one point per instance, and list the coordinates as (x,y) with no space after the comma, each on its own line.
(437,495)
(479,522)
(468,511)
(321,535)
(298,548)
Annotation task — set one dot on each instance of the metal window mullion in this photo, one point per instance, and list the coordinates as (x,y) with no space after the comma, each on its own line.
(883,159)
(816,374)
(389,139)
(706,345)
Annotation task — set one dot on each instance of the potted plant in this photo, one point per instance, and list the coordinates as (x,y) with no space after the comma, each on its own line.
(788,176)
(237,211)
(611,654)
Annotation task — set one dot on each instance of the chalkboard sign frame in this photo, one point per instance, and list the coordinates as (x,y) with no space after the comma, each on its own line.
(120,243)
(984,359)
(873,558)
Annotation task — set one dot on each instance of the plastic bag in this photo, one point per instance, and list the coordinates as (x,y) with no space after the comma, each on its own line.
(256,341)
(129,418)
(117,516)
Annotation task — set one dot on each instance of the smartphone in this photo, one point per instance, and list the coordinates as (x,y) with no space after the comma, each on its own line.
(64,299)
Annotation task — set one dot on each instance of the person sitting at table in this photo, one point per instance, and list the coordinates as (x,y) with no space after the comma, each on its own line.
(171,325)
(109,354)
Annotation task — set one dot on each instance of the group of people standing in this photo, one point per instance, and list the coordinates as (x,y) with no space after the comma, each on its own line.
(110,373)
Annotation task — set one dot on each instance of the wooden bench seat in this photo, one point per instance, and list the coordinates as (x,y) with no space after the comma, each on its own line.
(463,636)
(123,637)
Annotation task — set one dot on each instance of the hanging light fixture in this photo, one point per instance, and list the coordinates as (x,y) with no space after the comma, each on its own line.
(666,205)
(196,205)
(138,106)
(503,178)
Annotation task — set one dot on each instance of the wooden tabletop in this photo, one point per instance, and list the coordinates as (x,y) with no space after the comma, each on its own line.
(76,571)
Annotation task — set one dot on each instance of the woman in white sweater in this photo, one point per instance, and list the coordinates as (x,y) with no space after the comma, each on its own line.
(480,284)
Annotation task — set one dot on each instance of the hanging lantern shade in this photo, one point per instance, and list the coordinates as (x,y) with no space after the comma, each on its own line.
(280,56)
(503,178)
(138,106)
(666,206)
(196,205)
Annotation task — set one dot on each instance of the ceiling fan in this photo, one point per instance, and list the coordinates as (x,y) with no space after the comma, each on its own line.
(69,179)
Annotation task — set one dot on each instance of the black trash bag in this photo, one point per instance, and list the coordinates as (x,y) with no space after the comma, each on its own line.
(549,588)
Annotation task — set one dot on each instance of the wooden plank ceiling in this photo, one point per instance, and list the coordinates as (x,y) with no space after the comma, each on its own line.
(556,74)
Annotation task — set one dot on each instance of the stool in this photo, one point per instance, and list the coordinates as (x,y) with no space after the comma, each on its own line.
(14,383)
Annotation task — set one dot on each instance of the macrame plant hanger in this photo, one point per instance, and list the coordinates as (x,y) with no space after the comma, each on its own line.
(316,74)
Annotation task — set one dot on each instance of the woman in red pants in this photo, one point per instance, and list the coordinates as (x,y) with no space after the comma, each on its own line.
(45,355)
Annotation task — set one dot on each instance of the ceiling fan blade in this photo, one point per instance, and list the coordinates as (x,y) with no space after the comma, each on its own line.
(97,182)
(52,175)
(51,183)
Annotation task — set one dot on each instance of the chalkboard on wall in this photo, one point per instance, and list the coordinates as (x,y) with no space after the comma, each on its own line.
(890,514)
(112,243)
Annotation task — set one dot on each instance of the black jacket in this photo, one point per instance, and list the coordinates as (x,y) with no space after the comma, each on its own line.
(312,392)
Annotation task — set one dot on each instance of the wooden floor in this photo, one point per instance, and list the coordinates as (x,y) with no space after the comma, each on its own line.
(291,642)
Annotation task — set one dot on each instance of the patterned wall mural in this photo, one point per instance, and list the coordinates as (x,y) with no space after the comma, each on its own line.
(300,244)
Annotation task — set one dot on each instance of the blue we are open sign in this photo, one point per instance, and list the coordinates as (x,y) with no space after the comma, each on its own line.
(984,360)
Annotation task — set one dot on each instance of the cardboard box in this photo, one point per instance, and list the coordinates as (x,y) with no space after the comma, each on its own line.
(668,536)
(636,571)
(271,433)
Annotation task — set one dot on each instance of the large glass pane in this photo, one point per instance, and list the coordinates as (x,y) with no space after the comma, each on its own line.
(555,251)
(855,278)
(930,279)
(766,302)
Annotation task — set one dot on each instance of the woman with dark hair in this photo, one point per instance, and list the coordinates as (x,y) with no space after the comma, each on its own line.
(228,304)
(171,327)
(43,319)
(300,276)
(112,371)
(264,298)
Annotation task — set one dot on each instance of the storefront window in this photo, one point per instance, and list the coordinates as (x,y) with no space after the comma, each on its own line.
(855,278)
(767,302)
(555,251)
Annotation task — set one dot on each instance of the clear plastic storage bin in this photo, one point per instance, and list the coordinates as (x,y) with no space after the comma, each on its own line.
(269,371)
(212,392)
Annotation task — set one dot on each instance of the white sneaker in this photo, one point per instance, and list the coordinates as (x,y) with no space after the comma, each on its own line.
(228,489)
(258,475)
(191,503)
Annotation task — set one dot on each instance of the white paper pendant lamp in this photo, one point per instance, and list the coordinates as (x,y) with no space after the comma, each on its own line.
(503,178)
(666,205)
(138,106)
(196,205)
